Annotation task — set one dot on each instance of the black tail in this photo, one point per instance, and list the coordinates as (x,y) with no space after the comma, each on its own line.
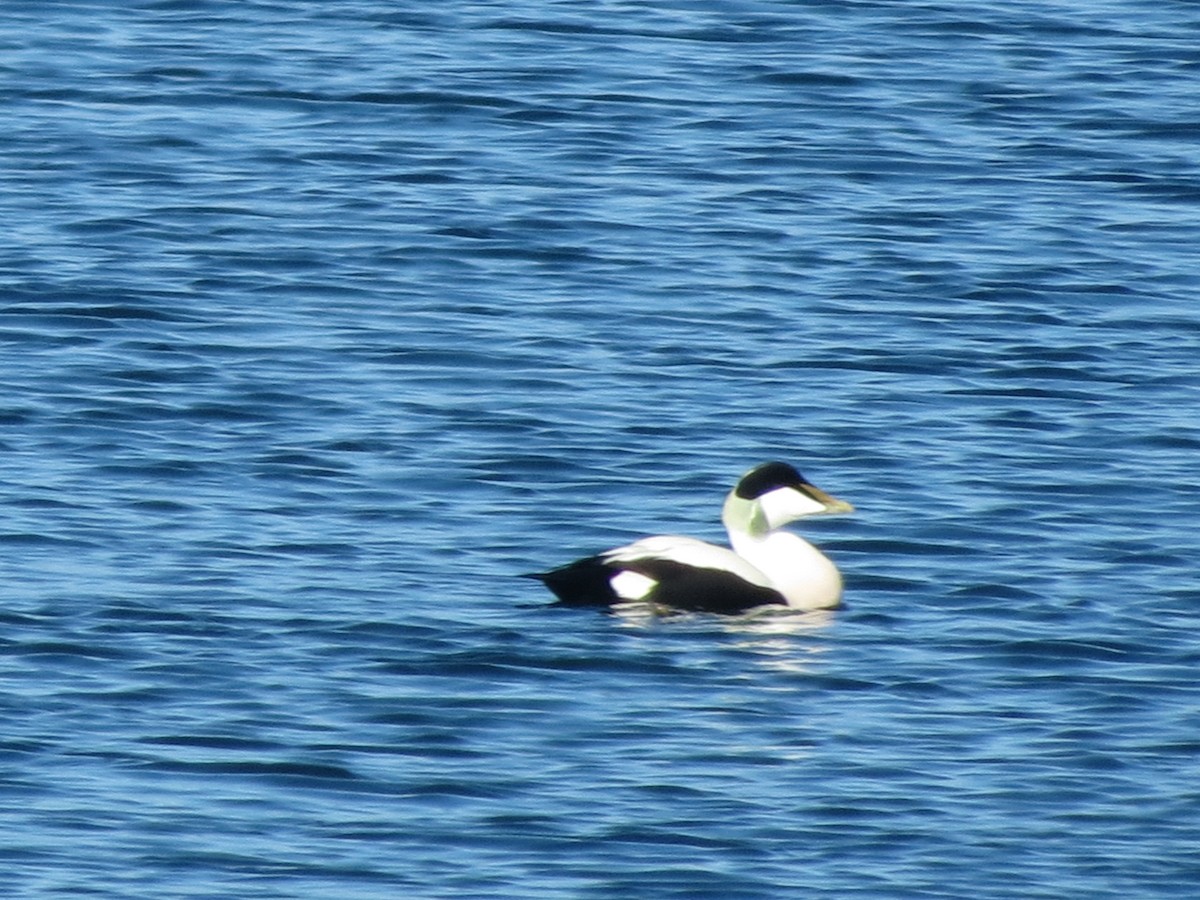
(582,583)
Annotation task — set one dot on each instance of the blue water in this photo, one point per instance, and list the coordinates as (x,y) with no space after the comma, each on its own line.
(320,322)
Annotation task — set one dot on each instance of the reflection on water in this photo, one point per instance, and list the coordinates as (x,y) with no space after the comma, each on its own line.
(771,632)
(772,635)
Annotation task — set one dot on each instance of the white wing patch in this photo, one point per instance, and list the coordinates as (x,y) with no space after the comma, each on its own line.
(632,585)
(686,551)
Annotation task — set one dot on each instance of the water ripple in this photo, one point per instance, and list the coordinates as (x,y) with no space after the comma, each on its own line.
(323,325)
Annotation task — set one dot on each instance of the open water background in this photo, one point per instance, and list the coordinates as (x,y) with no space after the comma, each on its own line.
(320,321)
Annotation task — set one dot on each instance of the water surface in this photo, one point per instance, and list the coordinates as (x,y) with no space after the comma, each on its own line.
(321,324)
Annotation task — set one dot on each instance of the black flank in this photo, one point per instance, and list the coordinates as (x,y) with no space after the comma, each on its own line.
(704,590)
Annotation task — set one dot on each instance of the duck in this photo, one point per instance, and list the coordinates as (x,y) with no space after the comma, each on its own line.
(763,566)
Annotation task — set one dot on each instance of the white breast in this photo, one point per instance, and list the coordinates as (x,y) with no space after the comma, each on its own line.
(803,574)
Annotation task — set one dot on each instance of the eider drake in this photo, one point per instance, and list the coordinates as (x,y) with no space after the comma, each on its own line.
(766,566)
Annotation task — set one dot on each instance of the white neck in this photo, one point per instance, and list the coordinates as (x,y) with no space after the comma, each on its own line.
(797,569)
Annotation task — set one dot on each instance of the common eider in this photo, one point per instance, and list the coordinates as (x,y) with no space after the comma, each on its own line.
(766,566)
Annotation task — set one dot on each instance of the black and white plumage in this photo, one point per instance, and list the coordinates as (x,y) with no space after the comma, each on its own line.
(766,566)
